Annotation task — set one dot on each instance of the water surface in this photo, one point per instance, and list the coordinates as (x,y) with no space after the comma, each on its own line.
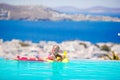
(74,70)
(60,31)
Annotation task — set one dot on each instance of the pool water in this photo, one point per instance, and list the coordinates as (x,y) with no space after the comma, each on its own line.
(74,70)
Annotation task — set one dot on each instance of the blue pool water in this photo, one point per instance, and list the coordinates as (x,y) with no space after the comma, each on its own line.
(74,70)
(60,31)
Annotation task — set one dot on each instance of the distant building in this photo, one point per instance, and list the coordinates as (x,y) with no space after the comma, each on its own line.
(4,14)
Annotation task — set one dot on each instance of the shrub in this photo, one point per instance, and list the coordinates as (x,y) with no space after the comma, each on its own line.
(105,48)
(23,44)
(113,56)
(83,44)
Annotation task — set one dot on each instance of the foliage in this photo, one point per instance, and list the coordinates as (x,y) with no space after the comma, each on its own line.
(83,44)
(23,44)
(105,48)
(113,56)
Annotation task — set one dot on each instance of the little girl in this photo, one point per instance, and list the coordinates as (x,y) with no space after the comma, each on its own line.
(54,54)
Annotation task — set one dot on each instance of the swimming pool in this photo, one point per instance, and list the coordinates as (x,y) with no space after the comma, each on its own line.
(74,70)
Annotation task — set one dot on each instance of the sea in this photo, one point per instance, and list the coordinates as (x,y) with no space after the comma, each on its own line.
(59,31)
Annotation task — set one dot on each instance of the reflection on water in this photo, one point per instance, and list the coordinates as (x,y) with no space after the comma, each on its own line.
(57,69)
(52,71)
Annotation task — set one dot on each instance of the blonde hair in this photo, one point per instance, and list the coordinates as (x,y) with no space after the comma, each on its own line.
(55,47)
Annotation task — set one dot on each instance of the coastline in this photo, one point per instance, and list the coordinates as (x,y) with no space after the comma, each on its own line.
(76,49)
(47,14)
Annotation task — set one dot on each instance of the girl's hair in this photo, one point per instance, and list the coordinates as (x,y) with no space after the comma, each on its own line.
(56,46)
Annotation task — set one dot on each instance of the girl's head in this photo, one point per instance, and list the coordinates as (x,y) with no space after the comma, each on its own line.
(55,49)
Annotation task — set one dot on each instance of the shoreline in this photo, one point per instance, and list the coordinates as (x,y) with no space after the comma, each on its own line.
(7,12)
(76,49)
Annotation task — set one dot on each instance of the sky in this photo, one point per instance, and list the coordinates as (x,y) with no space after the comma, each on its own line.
(74,3)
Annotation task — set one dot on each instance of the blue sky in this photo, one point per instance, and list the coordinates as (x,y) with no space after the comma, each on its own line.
(74,3)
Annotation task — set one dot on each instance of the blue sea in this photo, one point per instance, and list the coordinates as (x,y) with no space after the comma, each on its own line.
(59,31)
(74,70)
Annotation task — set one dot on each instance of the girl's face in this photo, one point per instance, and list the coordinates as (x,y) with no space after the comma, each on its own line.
(55,49)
